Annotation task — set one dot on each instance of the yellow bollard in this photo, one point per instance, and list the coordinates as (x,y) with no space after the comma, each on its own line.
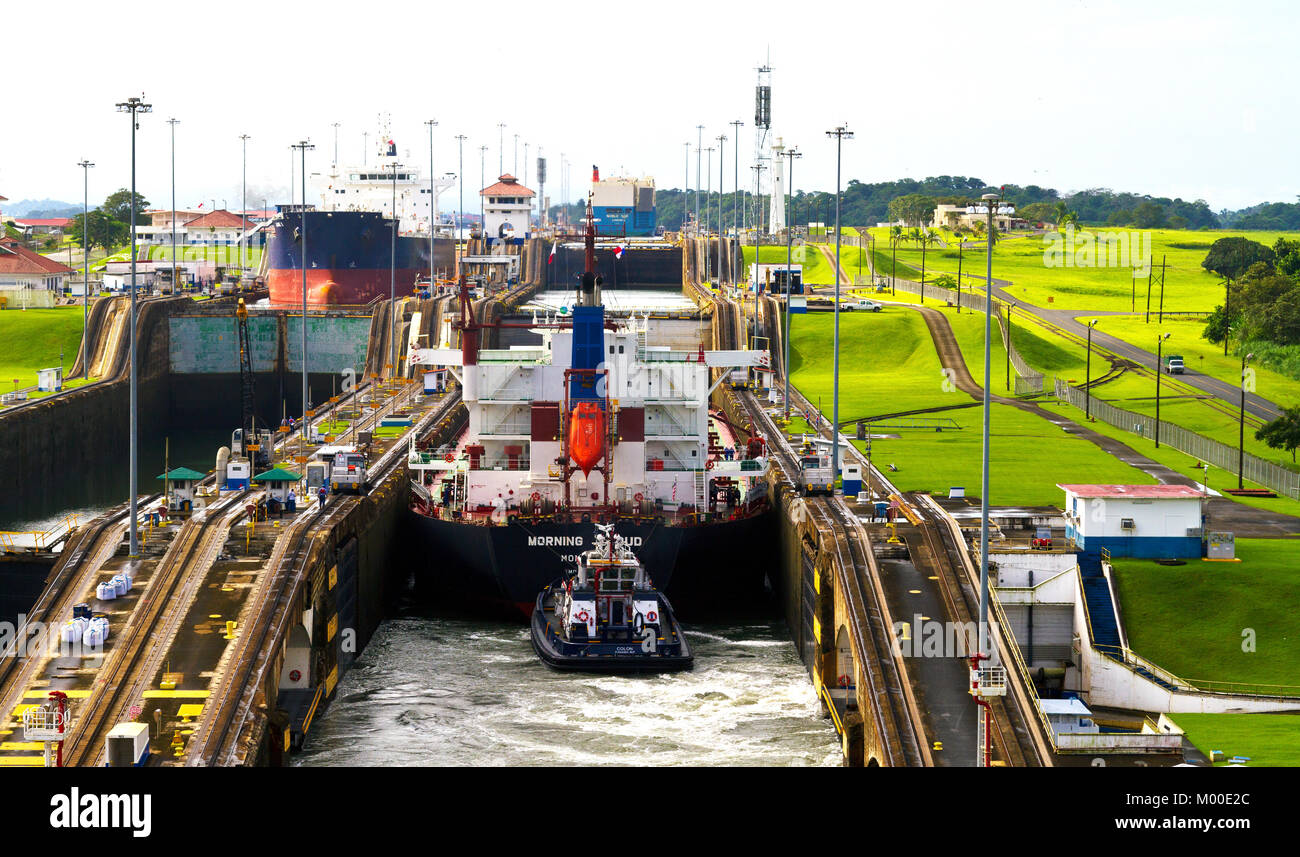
(230,629)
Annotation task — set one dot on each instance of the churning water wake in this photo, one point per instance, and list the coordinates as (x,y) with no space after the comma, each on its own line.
(443,691)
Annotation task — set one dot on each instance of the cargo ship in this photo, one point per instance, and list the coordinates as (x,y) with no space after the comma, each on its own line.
(594,425)
(623,205)
(351,259)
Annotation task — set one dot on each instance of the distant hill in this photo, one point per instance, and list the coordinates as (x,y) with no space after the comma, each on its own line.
(40,208)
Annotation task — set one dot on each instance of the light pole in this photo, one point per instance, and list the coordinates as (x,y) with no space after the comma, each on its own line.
(516,166)
(134,106)
(460,180)
(735,206)
(709,189)
(699,151)
(1160,342)
(243,214)
(335,126)
(501,145)
(392,282)
(173,122)
(302,146)
(790,153)
(1241,422)
(722,139)
(433,201)
(482,182)
(1087,372)
(840,133)
(85,266)
(686,187)
(991,202)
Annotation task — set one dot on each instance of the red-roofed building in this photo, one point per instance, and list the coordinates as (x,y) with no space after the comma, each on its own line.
(216,227)
(506,208)
(1152,521)
(27,278)
(42,225)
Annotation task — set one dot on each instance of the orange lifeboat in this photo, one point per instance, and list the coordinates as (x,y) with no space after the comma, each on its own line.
(586,435)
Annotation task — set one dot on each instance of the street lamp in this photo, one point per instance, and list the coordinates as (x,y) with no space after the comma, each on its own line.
(243,214)
(790,153)
(991,204)
(460,181)
(1241,421)
(840,133)
(433,201)
(134,106)
(686,186)
(1160,342)
(85,265)
(302,146)
(722,139)
(1087,377)
(482,180)
(699,150)
(173,122)
(735,207)
(392,282)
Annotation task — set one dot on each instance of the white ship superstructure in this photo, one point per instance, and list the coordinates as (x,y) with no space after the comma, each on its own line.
(514,447)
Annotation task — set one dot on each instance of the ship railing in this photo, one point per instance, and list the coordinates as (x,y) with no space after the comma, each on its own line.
(518,462)
(509,427)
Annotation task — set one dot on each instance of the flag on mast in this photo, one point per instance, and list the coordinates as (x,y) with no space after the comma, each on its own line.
(551,258)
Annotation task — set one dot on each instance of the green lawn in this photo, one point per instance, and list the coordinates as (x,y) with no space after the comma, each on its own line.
(1021,260)
(1190,619)
(888,364)
(1268,740)
(32,339)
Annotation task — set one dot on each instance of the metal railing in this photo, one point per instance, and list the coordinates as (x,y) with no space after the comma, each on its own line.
(1225,457)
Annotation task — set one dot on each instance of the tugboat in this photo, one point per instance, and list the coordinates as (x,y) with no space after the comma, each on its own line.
(608,616)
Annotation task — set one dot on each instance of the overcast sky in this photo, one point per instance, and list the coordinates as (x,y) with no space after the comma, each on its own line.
(1191,99)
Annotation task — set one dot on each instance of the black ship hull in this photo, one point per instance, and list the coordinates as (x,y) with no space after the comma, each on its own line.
(716,567)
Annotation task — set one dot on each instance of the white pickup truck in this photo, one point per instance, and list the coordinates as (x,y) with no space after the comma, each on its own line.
(861,304)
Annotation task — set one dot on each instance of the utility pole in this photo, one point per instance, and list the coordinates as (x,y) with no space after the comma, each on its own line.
(686,186)
(134,106)
(302,147)
(840,133)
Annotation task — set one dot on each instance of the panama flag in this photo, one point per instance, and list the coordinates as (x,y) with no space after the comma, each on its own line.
(551,258)
(618,251)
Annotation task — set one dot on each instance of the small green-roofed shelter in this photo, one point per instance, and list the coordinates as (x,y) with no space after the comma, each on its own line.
(280,482)
(179,488)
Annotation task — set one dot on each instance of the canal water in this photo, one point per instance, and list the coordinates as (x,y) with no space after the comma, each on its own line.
(434,690)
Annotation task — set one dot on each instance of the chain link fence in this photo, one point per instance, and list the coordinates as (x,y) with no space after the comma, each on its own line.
(1272,476)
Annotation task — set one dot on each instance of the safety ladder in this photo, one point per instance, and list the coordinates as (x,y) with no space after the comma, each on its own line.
(701,488)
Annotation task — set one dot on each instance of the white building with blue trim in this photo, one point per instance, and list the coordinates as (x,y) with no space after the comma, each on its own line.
(1149,521)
